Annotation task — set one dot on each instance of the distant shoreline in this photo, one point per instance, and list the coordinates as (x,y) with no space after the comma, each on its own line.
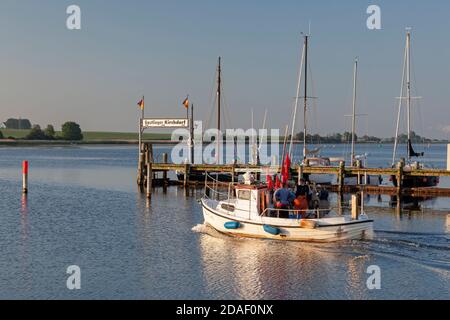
(39,143)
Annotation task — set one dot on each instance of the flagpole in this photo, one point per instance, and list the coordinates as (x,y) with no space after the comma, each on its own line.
(140,125)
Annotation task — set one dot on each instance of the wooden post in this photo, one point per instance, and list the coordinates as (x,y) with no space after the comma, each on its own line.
(25,177)
(341,175)
(358,166)
(165,160)
(401,165)
(149,180)
(140,178)
(187,171)
(233,173)
(448,157)
(355,206)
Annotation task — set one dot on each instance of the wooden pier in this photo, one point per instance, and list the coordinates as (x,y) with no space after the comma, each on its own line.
(148,171)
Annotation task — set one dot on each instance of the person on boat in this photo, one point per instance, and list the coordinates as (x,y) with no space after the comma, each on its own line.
(301,198)
(324,203)
(283,199)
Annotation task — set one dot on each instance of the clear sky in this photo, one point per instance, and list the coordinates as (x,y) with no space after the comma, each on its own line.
(167,49)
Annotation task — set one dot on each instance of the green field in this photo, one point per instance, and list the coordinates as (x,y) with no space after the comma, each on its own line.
(94,135)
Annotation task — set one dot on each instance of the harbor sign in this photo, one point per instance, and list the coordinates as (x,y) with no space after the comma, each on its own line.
(165,123)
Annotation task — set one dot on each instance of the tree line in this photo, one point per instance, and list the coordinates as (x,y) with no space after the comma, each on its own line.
(70,131)
(346,137)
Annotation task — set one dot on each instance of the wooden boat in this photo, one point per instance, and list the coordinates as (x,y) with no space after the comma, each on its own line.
(245,212)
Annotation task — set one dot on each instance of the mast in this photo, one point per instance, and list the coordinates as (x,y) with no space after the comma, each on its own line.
(355,75)
(219,96)
(408,84)
(305,97)
(297,96)
(400,106)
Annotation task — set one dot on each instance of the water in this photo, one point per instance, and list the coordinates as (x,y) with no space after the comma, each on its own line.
(83,209)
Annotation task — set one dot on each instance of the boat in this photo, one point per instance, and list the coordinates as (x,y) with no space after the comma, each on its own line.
(410,164)
(358,160)
(310,157)
(245,212)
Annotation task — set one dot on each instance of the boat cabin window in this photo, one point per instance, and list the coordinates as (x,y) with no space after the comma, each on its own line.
(244,194)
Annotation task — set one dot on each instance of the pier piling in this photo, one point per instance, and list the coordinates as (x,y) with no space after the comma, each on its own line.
(448,157)
(149,180)
(165,158)
(341,174)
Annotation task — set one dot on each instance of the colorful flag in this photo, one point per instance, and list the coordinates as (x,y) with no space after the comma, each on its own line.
(285,170)
(278,184)
(269,182)
(186,103)
(141,104)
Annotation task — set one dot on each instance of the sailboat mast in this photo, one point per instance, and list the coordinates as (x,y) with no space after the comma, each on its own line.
(355,74)
(219,97)
(305,97)
(408,81)
(297,96)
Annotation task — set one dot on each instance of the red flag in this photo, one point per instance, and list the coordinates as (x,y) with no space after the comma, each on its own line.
(269,182)
(278,184)
(285,169)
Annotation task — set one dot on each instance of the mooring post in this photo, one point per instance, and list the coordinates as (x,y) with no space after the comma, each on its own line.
(358,166)
(448,157)
(399,177)
(149,180)
(341,174)
(140,178)
(355,206)
(187,171)
(25,177)
(165,160)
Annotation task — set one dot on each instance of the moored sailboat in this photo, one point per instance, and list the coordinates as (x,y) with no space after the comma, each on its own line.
(410,164)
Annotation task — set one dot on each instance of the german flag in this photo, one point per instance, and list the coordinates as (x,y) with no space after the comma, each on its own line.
(141,104)
(186,103)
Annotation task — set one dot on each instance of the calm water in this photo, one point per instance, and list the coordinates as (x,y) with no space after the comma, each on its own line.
(83,209)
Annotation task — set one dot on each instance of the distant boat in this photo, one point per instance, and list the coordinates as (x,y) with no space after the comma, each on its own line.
(410,181)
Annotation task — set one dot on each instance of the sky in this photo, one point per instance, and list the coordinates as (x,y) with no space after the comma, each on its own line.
(168,49)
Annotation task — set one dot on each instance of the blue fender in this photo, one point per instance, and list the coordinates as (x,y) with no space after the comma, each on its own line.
(272,230)
(232,225)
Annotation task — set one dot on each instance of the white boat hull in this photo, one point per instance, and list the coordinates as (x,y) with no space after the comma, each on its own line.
(326,230)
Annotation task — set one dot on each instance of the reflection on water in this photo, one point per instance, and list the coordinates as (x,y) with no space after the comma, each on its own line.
(90,214)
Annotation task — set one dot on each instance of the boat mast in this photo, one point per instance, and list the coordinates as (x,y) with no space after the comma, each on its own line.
(408,84)
(355,75)
(400,106)
(297,96)
(219,96)
(305,97)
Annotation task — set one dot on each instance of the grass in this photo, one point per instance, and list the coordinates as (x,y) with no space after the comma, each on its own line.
(94,135)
